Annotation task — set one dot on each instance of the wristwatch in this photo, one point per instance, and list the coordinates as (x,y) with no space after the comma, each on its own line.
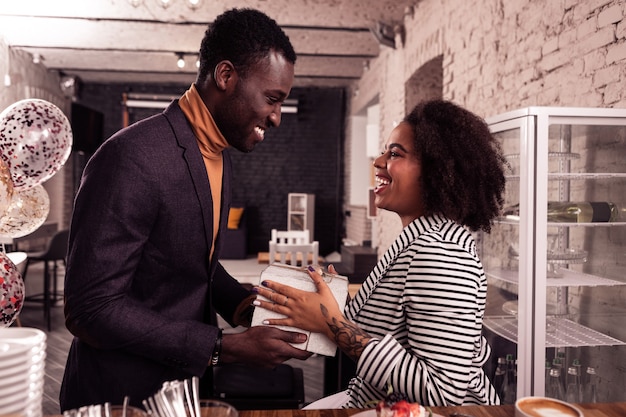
(215,356)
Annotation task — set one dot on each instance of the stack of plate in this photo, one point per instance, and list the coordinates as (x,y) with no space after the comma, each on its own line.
(22,366)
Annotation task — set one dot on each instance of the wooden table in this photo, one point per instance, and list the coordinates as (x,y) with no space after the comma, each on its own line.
(590,410)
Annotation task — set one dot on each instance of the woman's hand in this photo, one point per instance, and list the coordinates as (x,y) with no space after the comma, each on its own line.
(312,311)
(317,312)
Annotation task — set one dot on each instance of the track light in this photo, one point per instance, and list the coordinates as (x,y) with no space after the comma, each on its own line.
(180,63)
(386,34)
(194,4)
(164,3)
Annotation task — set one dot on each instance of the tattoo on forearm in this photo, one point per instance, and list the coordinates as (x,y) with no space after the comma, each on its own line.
(348,336)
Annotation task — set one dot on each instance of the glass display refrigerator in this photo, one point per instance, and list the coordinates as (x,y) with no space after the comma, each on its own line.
(556,258)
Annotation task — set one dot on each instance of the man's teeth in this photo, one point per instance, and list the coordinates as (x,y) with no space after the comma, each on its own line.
(382,181)
(260,131)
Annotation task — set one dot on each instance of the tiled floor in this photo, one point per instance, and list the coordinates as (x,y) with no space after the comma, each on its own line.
(59,338)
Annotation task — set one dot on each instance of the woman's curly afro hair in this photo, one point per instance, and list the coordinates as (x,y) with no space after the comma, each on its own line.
(462,164)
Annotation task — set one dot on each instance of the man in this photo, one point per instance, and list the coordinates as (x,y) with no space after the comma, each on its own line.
(143,276)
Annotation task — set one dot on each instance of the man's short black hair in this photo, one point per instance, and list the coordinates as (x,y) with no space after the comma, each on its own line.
(244,37)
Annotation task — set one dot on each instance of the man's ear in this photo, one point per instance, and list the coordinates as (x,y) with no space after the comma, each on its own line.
(224,74)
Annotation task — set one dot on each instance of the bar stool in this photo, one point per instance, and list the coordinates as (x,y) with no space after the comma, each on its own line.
(56,251)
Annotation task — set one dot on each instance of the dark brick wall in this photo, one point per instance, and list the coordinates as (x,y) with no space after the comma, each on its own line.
(304,155)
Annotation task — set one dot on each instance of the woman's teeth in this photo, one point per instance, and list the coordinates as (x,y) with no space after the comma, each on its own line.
(382,181)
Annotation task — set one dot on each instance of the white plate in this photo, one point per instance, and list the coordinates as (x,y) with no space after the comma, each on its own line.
(336,400)
(14,370)
(25,358)
(15,407)
(18,390)
(372,413)
(17,379)
(14,397)
(20,350)
(12,349)
(24,335)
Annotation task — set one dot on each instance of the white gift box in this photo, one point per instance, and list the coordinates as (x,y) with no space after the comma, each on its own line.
(298,277)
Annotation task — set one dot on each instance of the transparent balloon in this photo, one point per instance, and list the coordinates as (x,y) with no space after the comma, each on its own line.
(35,141)
(6,188)
(28,210)
(11,291)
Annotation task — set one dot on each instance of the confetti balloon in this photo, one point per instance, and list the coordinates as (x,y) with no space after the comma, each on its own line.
(28,210)
(6,188)
(35,141)
(11,291)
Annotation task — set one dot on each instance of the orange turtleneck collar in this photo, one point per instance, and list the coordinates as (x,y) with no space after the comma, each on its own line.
(211,143)
(210,139)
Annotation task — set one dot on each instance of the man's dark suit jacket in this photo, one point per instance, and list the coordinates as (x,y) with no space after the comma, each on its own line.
(139,282)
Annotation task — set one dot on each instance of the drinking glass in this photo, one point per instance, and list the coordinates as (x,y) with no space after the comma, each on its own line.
(215,408)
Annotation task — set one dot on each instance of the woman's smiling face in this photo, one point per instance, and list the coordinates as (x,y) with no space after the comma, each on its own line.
(398,176)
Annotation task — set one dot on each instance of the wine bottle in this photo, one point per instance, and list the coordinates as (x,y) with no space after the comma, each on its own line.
(590,393)
(572,393)
(574,212)
(509,385)
(582,212)
(579,371)
(555,386)
(498,380)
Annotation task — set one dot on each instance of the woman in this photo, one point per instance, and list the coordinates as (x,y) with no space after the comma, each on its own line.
(416,322)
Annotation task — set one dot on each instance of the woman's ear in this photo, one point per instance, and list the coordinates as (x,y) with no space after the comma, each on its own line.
(224,74)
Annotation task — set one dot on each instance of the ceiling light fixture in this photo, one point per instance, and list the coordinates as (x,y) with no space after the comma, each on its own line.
(385,34)
(194,4)
(135,3)
(164,3)
(180,63)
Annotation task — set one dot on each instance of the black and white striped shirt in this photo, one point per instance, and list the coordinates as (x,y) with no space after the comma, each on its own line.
(423,304)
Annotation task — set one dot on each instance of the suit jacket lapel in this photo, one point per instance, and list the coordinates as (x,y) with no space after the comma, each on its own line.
(192,156)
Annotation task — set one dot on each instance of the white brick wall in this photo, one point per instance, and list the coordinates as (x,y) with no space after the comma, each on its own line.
(497,57)
(502,55)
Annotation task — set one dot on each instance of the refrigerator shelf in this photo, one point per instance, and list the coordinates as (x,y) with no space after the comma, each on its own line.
(572,176)
(560,332)
(568,278)
(513,220)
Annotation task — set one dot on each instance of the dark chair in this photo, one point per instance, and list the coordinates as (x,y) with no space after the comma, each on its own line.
(55,252)
(248,388)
